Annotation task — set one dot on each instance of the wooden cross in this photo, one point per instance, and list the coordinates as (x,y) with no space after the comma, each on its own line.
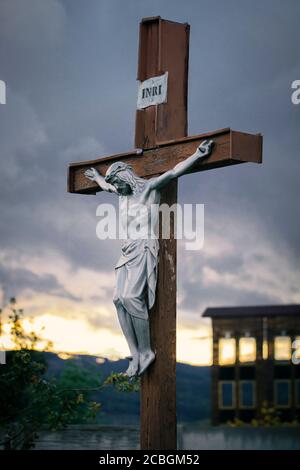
(161,142)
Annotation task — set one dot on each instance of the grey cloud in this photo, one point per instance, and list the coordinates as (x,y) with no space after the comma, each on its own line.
(196,297)
(70,70)
(17,280)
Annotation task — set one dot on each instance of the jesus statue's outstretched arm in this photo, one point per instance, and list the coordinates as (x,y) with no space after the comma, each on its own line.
(181,168)
(93,175)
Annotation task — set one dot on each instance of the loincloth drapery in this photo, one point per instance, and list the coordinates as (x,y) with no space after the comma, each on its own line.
(136,276)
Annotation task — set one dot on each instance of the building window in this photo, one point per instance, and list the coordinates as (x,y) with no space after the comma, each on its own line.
(247,394)
(282,348)
(226,394)
(247,349)
(282,393)
(297,393)
(227,351)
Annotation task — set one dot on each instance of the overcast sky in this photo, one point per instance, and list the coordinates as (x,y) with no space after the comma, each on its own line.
(70,71)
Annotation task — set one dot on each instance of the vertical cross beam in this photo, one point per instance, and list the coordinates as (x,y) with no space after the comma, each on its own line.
(163,47)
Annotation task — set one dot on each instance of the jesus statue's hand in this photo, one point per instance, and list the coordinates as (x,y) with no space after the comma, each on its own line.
(92,174)
(204,148)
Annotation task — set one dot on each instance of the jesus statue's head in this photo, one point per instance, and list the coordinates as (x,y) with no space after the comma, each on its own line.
(125,180)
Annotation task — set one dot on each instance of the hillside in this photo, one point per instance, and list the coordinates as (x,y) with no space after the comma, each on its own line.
(193,389)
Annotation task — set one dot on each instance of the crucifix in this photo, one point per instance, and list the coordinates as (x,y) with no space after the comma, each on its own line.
(163,152)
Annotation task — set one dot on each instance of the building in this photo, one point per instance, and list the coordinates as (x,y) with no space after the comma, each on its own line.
(256,359)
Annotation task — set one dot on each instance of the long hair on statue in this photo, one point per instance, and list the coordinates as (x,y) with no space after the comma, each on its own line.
(125,173)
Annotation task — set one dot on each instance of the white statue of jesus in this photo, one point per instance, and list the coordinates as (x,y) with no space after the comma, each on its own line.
(136,270)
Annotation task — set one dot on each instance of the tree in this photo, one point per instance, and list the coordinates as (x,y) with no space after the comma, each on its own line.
(29,400)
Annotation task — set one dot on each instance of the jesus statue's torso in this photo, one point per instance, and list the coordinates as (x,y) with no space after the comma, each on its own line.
(139,214)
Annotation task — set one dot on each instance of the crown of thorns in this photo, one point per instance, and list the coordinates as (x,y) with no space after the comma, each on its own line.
(116,168)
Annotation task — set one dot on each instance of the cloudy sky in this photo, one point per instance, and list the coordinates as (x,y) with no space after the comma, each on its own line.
(70,72)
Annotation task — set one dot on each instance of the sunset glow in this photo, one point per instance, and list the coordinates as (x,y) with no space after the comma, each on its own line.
(77,336)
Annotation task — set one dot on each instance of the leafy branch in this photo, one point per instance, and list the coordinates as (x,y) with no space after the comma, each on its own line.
(30,400)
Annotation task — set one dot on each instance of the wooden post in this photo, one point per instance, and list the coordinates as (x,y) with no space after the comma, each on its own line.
(158,384)
(163,48)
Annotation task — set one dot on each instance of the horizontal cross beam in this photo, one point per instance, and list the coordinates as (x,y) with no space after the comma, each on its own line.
(230,147)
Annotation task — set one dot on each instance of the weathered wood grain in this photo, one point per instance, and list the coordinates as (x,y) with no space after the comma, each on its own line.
(231,147)
(163,47)
(158,385)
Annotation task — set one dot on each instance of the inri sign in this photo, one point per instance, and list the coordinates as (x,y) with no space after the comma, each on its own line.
(153,91)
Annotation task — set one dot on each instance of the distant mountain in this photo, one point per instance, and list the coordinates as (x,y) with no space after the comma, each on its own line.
(193,389)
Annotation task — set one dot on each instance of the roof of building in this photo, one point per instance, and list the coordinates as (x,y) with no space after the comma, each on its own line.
(253,311)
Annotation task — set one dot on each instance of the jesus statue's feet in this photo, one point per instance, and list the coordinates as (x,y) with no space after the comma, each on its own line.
(133,366)
(146,358)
